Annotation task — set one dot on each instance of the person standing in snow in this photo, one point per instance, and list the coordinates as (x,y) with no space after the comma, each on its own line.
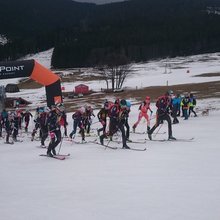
(117,115)
(63,120)
(143,108)
(42,121)
(163,105)
(102,117)
(8,127)
(15,125)
(176,100)
(26,116)
(54,130)
(192,104)
(88,118)
(19,114)
(39,110)
(4,115)
(124,115)
(185,106)
(78,118)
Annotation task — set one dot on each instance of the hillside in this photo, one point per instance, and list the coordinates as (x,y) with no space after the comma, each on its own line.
(84,34)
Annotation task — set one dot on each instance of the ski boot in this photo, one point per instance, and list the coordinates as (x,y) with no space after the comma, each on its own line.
(171,138)
(133,128)
(126,147)
(101,138)
(149,136)
(98,132)
(54,152)
(49,154)
(128,140)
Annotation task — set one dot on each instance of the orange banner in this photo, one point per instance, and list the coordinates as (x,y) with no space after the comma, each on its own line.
(42,75)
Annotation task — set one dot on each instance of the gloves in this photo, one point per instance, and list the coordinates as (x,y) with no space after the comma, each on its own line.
(103,123)
(52,135)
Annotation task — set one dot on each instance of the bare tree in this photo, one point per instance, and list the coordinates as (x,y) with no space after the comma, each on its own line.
(115,70)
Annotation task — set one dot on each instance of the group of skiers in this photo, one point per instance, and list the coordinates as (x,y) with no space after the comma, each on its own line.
(113,116)
(12,120)
(167,105)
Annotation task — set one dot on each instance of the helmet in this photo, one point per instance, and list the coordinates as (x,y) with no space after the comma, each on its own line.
(170,92)
(128,103)
(123,103)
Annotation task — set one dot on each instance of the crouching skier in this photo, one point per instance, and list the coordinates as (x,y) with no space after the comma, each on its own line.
(117,121)
(163,106)
(54,130)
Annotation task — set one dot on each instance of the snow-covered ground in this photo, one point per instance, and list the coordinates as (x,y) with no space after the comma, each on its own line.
(170,180)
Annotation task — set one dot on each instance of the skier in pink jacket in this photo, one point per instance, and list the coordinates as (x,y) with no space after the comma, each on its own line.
(144,107)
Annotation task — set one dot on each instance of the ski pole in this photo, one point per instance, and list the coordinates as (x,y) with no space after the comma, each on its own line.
(158,130)
(108,144)
(61,142)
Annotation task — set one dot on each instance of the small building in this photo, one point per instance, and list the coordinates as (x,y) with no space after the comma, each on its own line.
(82,89)
(11,88)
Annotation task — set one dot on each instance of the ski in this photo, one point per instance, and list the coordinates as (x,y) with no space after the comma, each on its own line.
(63,155)
(19,141)
(104,145)
(134,149)
(178,139)
(145,132)
(79,142)
(58,157)
(76,142)
(130,141)
(8,142)
(183,139)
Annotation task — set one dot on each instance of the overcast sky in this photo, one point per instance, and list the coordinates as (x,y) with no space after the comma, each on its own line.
(99,1)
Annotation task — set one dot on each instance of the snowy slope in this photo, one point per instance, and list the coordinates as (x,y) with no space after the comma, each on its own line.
(171,180)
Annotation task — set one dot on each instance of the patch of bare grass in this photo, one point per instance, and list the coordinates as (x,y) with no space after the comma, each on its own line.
(208,75)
